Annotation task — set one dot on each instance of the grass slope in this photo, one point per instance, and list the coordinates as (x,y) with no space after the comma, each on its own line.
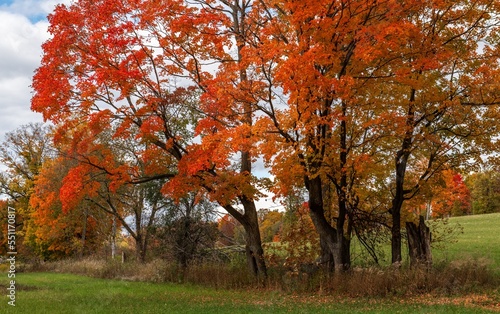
(480,240)
(63,293)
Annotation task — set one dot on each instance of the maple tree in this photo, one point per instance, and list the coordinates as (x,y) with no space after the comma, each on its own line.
(56,232)
(446,111)
(327,56)
(362,103)
(452,198)
(102,178)
(144,65)
(416,71)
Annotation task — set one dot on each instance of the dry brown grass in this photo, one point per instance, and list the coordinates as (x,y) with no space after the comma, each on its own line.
(461,277)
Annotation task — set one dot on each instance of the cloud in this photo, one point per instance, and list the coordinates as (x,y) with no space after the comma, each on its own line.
(20,54)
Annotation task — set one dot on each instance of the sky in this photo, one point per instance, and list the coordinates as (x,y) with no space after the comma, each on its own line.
(23,29)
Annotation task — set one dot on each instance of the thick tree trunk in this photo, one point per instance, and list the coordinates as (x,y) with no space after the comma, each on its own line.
(254,250)
(250,222)
(419,243)
(328,234)
(326,257)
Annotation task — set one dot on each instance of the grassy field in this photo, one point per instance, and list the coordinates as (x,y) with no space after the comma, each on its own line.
(474,238)
(64,293)
(480,240)
(46,292)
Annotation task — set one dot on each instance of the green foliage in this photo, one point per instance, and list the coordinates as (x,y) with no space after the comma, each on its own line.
(22,153)
(485,192)
(270,222)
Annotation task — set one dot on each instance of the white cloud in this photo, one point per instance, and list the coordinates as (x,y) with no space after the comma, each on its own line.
(23,26)
(20,53)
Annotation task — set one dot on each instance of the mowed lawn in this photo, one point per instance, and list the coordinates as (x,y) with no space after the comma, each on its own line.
(65,293)
(480,240)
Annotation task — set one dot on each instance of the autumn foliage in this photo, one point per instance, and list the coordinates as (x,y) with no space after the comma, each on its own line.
(373,108)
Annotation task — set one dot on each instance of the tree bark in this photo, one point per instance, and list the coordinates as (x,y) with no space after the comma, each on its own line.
(419,243)
(326,257)
(328,234)
(140,248)
(396,237)
(401,162)
(253,247)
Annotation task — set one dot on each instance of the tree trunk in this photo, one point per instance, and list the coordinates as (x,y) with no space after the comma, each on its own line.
(326,257)
(346,246)
(344,241)
(254,250)
(419,243)
(183,242)
(113,239)
(401,161)
(327,233)
(84,233)
(140,249)
(396,237)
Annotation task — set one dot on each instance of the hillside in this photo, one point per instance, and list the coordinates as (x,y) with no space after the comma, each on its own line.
(480,239)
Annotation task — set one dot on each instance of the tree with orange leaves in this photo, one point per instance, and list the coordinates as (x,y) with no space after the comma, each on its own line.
(143,65)
(379,84)
(58,232)
(342,97)
(452,197)
(327,58)
(445,115)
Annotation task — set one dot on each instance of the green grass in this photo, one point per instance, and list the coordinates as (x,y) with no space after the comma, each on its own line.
(480,240)
(64,293)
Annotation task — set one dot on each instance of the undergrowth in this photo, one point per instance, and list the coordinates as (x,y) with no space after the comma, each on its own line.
(454,278)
